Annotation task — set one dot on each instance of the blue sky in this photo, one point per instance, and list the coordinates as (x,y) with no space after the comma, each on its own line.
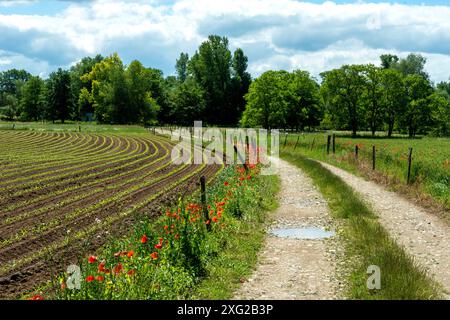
(313,35)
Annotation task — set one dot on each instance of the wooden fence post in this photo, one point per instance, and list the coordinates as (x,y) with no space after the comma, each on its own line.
(373,157)
(14,125)
(204,205)
(356,152)
(240,158)
(409,166)
(328,144)
(79,128)
(296,143)
(334,143)
(285,139)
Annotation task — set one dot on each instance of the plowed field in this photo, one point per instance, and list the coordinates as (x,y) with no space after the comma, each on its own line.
(65,194)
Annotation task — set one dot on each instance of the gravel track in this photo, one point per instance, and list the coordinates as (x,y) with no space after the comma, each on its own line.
(295,269)
(424,236)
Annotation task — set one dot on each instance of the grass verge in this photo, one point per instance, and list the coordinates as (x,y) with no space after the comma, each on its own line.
(367,242)
(239,255)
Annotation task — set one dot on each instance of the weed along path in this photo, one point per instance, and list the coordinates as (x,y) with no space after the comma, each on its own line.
(424,236)
(298,259)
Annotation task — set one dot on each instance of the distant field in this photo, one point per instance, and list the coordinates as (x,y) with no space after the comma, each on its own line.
(71,126)
(62,193)
(430,171)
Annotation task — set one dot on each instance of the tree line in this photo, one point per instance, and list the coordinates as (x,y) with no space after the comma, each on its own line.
(397,96)
(210,85)
(214,86)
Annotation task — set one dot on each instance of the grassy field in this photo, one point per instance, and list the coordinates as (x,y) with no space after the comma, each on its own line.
(71,126)
(430,171)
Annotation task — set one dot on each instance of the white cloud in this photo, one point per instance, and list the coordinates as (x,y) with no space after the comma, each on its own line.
(274,33)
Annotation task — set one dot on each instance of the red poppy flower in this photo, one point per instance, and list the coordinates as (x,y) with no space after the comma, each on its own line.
(158,246)
(117,269)
(63,285)
(226,184)
(144,239)
(37,297)
(131,272)
(249,177)
(130,253)
(215,219)
(90,278)
(177,236)
(154,255)
(208,222)
(100,278)
(92,259)
(101,267)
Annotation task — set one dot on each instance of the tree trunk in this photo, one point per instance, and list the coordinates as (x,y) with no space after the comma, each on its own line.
(354,125)
(390,129)
(390,126)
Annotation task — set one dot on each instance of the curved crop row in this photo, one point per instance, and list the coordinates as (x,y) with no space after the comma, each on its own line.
(58,189)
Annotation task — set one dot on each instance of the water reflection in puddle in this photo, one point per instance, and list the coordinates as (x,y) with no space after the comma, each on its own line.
(302,233)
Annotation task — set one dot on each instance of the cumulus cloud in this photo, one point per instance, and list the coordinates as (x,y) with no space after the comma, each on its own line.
(275,34)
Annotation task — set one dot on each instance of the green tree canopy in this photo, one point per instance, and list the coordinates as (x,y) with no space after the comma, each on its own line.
(83,105)
(393,97)
(266,101)
(32,104)
(188,101)
(343,90)
(417,114)
(439,103)
(11,80)
(372,97)
(279,99)
(210,67)
(181,66)
(119,94)
(59,100)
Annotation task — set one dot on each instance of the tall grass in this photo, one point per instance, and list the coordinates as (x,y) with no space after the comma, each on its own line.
(430,173)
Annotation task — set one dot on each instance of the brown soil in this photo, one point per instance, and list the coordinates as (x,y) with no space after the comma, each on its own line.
(25,277)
